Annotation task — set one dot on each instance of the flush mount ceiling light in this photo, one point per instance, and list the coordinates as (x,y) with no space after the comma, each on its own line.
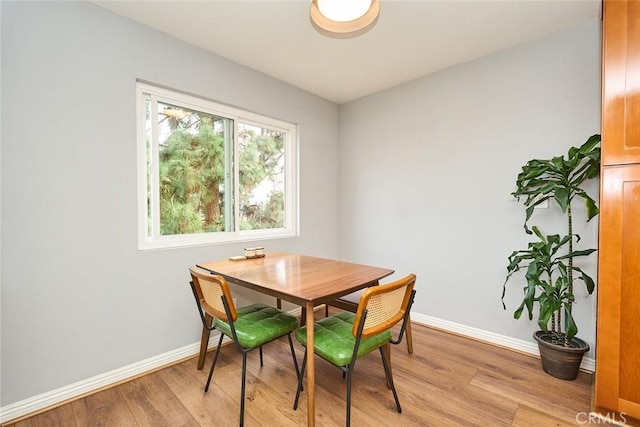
(344,16)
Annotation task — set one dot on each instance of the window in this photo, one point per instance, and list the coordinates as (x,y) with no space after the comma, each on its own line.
(209,173)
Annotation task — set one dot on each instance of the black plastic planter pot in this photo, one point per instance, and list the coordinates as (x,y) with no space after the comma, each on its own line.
(560,361)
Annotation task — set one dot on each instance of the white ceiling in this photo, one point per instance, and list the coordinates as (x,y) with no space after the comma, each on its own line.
(412,38)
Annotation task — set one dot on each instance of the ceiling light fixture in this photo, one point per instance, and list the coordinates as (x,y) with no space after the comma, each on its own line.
(344,16)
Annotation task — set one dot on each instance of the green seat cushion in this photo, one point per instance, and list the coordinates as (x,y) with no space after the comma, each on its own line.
(258,324)
(334,341)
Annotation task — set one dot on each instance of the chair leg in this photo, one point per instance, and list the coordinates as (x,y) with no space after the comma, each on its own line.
(244,380)
(387,371)
(300,378)
(293,355)
(213,365)
(261,362)
(409,337)
(348,422)
(204,340)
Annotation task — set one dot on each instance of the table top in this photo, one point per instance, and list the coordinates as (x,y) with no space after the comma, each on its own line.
(297,278)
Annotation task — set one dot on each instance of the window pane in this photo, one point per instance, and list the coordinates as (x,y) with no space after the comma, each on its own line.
(192,147)
(148,138)
(262,177)
(211,173)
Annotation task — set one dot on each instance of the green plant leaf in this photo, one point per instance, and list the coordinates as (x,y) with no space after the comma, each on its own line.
(590,144)
(518,312)
(557,163)
(588,281)
(573,151)
(563,197)
(570,327)
(592,209)
(532,173)
(583,252)
(538,233)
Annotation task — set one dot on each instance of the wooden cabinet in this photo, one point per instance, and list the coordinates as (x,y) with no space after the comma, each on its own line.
(621,82)
(618,340)
(617,383)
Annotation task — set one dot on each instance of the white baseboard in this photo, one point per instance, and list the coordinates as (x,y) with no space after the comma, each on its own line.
(49,399)
(529,347)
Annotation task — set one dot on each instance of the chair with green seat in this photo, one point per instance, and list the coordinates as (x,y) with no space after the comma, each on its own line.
(343,338)
(249,327)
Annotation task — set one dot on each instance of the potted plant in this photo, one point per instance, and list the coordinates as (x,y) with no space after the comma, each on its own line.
(549,261)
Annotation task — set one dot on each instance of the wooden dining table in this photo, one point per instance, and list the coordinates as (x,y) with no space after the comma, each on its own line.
(302,280)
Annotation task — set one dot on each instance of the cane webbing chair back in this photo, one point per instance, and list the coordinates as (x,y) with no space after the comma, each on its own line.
(351,302)
(210,289)
(385,306)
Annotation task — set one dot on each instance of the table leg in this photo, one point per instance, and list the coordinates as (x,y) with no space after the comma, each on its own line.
(311,368)
(204,341)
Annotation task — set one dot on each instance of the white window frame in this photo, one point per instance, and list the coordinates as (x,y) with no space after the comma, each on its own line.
(158,241)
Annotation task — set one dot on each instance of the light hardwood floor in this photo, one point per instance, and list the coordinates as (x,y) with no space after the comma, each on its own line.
(448,381)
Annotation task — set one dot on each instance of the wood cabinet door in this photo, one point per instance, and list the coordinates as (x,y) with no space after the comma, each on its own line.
(621,82)
(618,335)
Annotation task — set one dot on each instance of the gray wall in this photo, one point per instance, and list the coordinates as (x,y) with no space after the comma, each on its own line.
(427,168)
(78,298)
